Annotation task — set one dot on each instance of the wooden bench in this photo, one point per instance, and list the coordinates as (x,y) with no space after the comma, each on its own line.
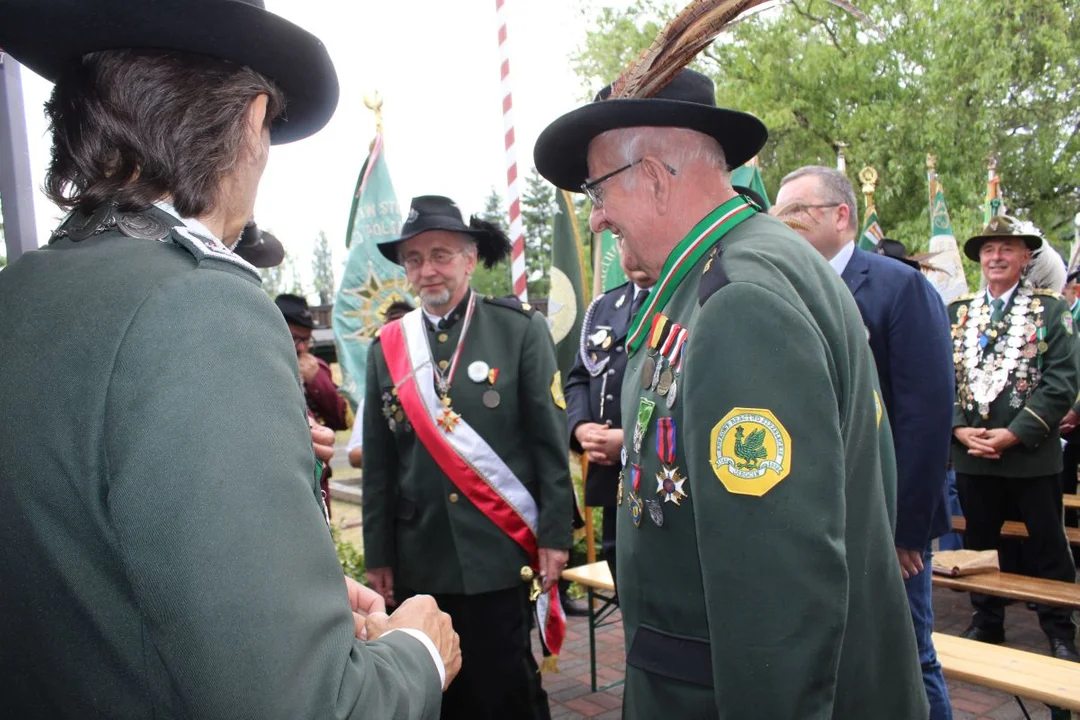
(1014,529)
(596,579)
(1019,673)
(1072,501)
(1017,587)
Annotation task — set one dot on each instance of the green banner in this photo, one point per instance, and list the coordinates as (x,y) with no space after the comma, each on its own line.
(749,176)
(370,282)
(611,272)
(567,300)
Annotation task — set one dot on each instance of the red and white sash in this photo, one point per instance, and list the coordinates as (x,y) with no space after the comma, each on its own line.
(466,458)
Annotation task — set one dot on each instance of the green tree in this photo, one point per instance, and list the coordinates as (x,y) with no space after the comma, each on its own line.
(537,212)
(494,281)
(273,280)
(962,80)
(322,266)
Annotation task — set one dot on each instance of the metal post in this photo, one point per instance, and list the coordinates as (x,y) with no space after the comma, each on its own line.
(16,187)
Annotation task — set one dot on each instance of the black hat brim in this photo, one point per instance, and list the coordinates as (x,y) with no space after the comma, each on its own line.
(50,36)
(973,245)
(561,151)
(266,251)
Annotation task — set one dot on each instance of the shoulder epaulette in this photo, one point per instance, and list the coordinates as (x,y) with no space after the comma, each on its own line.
(1046,293)
(713,276)
(511,302)
(964,298)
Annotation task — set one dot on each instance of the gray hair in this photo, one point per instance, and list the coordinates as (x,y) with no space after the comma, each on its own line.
(835,188)
(678,147)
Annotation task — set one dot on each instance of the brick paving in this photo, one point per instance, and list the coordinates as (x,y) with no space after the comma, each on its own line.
(571,697)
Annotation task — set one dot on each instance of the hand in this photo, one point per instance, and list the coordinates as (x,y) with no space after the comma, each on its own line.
(911,562)
(1001,439)
(975,440)
(552,562)
(603,444)
(1069,422)
(421,613)
(309,366)
(382,582)
(363,601)
(322,440)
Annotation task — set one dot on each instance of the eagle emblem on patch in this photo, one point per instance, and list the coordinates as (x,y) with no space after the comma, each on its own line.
(750,451)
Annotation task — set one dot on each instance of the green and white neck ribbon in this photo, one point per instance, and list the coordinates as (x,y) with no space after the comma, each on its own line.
(683,258)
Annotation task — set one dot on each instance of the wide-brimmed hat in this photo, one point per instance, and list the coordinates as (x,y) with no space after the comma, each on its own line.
(435,212)
(295,309)
(688,101)
(1002,227)
(51,36)
(259,247)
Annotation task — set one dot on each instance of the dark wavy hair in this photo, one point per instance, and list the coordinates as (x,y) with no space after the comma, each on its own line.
(133,126)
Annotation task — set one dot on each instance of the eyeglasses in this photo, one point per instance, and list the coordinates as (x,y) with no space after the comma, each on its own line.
(796,208)
(596,193)
(297,340)
(438,257)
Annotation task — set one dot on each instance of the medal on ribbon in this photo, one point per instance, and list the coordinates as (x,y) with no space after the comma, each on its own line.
(663,376)
(669,483)
(632,498)
(650,369)
(675,359)
(644,415)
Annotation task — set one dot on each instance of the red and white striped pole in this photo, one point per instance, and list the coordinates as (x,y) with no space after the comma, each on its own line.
(513,194)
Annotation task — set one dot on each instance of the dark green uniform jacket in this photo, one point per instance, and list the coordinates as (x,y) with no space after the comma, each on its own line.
(416,520)
(164,550)
(1032,406)
(772,589)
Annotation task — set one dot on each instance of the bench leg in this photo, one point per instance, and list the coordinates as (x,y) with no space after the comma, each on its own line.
(592,638)
(1022,708)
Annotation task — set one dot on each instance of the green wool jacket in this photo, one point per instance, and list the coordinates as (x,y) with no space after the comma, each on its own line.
(772,589)
(1033,416)
(164,548)
(416,520)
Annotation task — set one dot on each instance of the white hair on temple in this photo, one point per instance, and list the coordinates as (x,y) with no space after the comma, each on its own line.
(678,147)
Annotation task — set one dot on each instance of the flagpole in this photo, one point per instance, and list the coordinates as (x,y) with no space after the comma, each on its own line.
(16,186)
(841,160)
(513,194)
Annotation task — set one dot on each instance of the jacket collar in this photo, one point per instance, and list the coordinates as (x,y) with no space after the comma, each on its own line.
(856,271)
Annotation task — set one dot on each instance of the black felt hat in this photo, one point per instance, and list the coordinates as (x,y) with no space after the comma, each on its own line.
(1002,227)
(295,309)
(896,250)
(259,247)
(688,101)
(50,37)
(435,212)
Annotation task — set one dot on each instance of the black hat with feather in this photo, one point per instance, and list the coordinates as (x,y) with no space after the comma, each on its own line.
(657,91)
(435,212)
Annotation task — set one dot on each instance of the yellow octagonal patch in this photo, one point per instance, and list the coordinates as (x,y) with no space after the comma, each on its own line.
(750,451)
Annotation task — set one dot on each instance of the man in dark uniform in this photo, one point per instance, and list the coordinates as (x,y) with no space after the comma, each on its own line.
(165,552)
(757,573)
(466,475)
(593,390)
(1016,377)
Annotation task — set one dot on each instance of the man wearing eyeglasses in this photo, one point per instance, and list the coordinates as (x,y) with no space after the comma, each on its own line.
(323,399)
(757,575)
(909,336)
(466,473)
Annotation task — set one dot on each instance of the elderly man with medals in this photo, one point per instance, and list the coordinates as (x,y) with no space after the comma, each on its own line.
(466,477)
(757,573)
(1016,378)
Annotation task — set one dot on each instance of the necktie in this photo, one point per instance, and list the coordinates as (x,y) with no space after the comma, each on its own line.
(998,306)
(642,296)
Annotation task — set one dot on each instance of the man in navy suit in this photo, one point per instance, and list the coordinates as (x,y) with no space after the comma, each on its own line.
(909,334)
(592,391)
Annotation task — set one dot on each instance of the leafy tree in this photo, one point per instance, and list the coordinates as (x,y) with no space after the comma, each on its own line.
(537,213)
(322,266)
(273,280)
(959,79)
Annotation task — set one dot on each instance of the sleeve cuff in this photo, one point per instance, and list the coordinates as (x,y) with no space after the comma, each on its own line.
(432,650)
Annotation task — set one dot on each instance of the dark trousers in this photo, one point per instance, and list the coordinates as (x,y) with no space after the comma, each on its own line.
(1070,456)
(987,501)
(499,677)
(607,537)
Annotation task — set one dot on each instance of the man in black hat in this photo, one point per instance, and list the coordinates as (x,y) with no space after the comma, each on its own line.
(142,577)
(1016,377)
(757,573)
(323,399)
(908,332)
(466,475)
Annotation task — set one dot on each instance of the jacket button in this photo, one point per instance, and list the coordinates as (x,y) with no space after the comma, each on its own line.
(443,337)
(443,364)
(610,398)
(611,372)
(453,497)
(618,348)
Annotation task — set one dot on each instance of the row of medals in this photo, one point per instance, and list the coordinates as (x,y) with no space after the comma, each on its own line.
(664,380)
(982,375)
(478,372)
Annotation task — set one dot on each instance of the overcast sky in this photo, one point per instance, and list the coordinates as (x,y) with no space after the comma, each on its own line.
(436,64)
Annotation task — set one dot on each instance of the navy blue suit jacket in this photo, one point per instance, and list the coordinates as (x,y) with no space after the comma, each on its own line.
(911,341)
